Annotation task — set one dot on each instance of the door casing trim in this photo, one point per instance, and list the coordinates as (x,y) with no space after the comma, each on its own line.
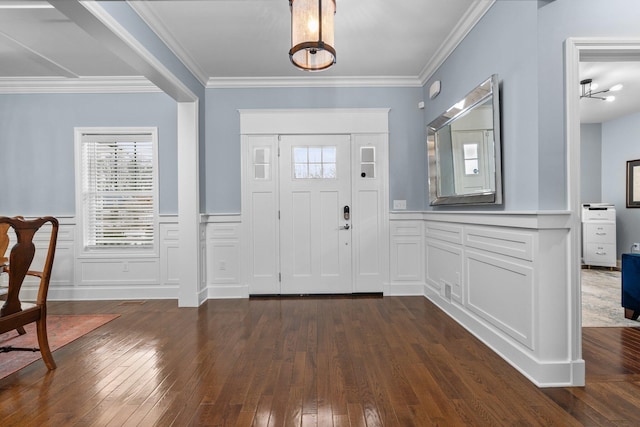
(315,122)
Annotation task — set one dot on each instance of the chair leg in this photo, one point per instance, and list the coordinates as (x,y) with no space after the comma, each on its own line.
(43,342)
(21,330)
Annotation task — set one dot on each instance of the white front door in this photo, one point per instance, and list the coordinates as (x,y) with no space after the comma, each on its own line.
(470,163)
(315,231)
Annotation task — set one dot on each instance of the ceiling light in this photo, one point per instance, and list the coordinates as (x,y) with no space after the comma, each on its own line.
(312,34)
(588,88)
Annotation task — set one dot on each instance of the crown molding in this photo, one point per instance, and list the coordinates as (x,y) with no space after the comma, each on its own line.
(151,19)
(459,32)
(140,84)
(311,81)
(79,85)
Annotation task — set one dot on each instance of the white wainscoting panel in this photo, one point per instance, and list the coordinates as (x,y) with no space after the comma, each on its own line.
(515,285)
(444,269)
(62,272)
(509,242)
(118,272)
(223,257)
(406,258)
(118,277)
(202,242)
(169,256)
(451,233)
(501,292)
(444,259)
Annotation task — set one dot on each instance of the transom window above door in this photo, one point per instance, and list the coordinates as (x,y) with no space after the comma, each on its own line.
(314,162)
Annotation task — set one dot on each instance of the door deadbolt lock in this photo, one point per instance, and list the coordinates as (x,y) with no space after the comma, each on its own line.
(345,211)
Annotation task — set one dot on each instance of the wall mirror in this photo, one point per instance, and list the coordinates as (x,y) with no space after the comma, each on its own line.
(463,145)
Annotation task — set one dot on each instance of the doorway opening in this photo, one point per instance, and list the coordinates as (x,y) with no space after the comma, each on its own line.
(596,152)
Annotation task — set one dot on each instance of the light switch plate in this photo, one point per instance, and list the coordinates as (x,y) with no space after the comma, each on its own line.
(399,204)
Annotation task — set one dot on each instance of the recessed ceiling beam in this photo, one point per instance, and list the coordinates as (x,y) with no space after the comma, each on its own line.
(49,64)
(92,18)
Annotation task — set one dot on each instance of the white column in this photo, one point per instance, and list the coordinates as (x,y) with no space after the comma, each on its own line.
(189,206)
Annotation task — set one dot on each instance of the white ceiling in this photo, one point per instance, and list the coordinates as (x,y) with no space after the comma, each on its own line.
(222,40)
(606,74)
(251,38)
(246,42)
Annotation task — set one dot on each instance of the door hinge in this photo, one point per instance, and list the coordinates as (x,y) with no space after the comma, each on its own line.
(280,277)
(278,214)
(278,151)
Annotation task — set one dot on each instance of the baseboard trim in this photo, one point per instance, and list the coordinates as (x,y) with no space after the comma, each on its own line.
(399,289)
(111,293)
(563,373)
(226,292)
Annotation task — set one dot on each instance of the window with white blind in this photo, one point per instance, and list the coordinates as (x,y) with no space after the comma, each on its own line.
(116,190)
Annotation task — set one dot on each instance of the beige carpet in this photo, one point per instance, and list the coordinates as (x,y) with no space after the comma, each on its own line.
(601,296)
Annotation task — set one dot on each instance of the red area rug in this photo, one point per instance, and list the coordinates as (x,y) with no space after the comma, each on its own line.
(61,330)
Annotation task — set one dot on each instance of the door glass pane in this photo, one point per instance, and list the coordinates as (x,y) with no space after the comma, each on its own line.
(262,163)
(315,170)
(470,151)
(329,154)
(367,162)
(315,155)
(329,170)
(261,155)
(300,154)
(471,167)
(367,154)
(314,162)
(301,171)
(261,172)
(368,170)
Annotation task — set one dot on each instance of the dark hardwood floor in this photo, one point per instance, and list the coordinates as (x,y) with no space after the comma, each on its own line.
(366,361)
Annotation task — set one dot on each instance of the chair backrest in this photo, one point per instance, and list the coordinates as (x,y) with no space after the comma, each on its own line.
(21,257)
(4,243)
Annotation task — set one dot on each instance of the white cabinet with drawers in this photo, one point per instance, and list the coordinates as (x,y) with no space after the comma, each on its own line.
(599,234)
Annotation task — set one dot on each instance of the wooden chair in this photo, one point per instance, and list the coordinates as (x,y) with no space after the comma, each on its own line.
(4,261)
(4,243)
(13,315)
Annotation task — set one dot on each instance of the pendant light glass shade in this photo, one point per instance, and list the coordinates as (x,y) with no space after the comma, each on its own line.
(312,34)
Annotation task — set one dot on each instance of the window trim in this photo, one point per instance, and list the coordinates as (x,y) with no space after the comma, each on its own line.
(129,252)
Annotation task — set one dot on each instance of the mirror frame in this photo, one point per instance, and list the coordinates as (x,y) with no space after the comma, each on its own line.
(488,88)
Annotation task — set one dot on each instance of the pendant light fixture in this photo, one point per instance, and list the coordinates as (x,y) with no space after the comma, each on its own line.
(312,34)
(588,87)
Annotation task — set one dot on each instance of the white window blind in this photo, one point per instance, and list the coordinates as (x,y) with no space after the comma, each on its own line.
(118,193)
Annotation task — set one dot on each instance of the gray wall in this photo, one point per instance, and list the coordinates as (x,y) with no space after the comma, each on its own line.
(407,136)
(620,143)
(591,163)
(558,21)
(523,42)
(503,42)
(37,147)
